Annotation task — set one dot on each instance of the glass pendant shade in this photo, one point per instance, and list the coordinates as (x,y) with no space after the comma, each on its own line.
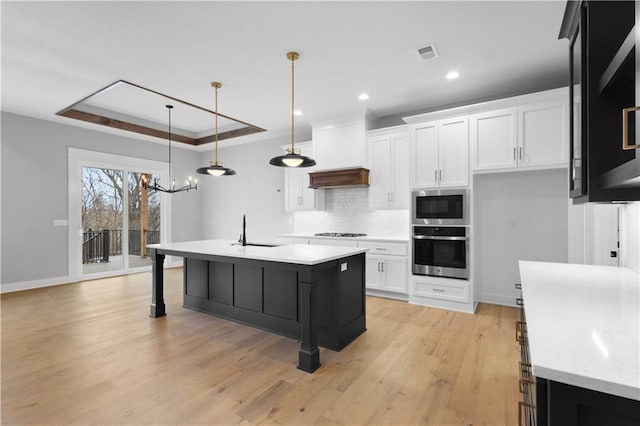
(216,168)
(291,158)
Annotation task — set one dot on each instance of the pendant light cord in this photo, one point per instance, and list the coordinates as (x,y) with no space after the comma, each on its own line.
(169,107)
(292,102)
(216,119)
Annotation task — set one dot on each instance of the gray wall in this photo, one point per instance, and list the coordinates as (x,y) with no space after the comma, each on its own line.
(34,192)
(518,216)
(257,190)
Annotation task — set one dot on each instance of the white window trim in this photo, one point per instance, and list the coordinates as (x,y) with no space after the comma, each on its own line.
(78,158)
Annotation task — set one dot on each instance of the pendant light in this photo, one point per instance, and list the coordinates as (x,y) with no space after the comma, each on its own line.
(216,168)
(189,184)
(292,158)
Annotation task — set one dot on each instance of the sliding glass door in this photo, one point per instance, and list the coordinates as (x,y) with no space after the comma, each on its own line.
(144,220)
(112,217)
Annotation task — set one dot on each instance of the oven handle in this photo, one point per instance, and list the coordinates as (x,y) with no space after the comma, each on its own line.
(428,237)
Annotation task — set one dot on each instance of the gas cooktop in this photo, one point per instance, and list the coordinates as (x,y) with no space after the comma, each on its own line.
(339,234)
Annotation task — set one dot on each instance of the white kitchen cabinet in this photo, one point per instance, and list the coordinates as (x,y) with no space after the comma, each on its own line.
(493,140)
(298,196)
(440,154)
(340,145)
(543,135)
(389,174)
(386,266)
(528,137)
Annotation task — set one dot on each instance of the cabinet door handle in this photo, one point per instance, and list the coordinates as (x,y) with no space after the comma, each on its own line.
(440,175)
(435,175)
(520,153)
(515,153)
(381,266)
(625,128)
(439,290)
(378,266)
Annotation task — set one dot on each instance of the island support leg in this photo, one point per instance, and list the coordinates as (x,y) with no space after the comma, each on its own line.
(308,355)
(157,308)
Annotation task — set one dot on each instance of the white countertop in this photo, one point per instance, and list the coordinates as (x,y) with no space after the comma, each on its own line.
(367,238)
(583,325)
(302,254)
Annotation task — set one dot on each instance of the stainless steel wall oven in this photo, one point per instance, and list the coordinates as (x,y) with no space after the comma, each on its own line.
(441,251)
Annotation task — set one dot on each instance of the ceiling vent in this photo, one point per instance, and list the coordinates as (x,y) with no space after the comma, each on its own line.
(428,52)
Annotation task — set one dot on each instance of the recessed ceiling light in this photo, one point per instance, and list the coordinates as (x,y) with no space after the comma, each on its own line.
(452,75)
(297,112)
(363,96)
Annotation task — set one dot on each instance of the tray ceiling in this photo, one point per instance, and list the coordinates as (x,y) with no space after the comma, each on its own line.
(128,106)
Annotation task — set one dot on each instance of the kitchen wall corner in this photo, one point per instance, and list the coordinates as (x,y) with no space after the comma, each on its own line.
(630,235)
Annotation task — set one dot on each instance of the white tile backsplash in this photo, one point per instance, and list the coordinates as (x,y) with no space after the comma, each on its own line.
(347,210)
(629,215)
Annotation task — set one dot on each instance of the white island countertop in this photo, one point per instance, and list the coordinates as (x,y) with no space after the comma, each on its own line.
(389,239)
(583,325)
(301,254)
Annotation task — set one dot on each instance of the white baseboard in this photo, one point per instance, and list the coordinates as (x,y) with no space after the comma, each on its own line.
(50,282)
(29,285)
(498,299)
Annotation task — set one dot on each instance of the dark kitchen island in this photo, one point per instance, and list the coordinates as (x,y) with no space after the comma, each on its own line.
(312,293)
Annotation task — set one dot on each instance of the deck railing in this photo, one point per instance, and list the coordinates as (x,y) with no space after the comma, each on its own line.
(98,245)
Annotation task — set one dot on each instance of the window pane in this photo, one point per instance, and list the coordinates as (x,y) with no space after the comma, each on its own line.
(144,220)
(102,214)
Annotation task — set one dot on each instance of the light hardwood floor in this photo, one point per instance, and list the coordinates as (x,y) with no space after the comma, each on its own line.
(88,353)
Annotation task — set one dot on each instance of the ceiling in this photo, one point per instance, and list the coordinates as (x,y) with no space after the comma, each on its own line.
(56,53)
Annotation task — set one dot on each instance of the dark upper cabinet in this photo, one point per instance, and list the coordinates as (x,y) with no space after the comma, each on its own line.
(605,88)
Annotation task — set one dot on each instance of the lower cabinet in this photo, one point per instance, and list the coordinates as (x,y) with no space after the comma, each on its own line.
(388,273)
(446,293)
(386,266)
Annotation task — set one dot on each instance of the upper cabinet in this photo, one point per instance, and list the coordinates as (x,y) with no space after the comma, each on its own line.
(341,144)
(297,194)
(389,174)
(533,136)
(604,93)
(439,153)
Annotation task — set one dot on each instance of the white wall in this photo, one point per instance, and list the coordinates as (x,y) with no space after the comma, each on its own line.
(593,234)
(256,190)
(34,193)
(518,216)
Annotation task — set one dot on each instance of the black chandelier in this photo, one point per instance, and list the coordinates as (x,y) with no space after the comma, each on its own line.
(189,184)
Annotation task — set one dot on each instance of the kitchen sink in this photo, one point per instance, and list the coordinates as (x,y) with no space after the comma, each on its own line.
(257,244)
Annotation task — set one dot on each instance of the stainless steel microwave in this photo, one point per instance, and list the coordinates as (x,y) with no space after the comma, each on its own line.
(440,207)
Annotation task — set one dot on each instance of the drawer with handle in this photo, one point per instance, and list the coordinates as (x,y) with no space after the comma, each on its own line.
(394,249)
(445,291)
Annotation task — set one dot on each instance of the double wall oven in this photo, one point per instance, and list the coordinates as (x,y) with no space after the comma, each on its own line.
(440,220)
